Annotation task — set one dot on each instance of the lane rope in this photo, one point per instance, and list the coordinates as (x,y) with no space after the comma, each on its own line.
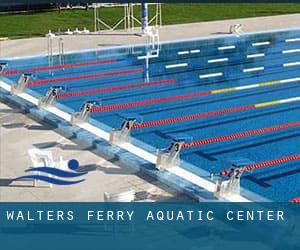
(188,96)
(296,200)
(268,163)
(240,135)
(160,122)
(65,66)
(111,89)
(80,77)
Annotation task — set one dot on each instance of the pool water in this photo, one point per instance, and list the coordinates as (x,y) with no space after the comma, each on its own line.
(193,77)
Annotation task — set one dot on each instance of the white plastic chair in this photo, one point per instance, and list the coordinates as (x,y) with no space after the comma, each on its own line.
(127,196)
(40,158)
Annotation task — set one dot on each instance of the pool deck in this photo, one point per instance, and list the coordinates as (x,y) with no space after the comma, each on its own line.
(18,133)
(106,176)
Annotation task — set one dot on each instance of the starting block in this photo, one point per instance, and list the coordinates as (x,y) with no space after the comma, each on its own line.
(122,135)
(84,113)
(170,157)
(50,97)
(231,185)
(22,84)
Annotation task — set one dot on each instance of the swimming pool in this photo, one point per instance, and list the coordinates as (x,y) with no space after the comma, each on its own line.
(233,98)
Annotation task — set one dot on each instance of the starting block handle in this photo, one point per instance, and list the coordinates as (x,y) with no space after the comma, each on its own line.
(169,157)
(50,97)
(22,83)
(84,113)
(122,135)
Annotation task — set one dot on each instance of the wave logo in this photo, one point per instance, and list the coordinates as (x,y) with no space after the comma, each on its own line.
(55,175)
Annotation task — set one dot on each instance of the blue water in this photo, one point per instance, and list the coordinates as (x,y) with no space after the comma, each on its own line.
(280,183)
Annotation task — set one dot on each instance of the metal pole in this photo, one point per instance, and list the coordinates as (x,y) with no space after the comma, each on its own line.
(144,14)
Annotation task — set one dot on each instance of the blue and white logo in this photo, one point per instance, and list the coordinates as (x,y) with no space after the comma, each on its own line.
(54,175)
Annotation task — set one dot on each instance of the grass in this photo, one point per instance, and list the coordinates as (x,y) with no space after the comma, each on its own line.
(38,24)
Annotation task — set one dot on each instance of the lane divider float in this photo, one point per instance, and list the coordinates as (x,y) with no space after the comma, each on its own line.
(188,96)
(161,122)
(81,77)
(65,66)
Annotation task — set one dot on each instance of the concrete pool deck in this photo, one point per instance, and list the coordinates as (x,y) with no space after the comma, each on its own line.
(19,133)
(108,177)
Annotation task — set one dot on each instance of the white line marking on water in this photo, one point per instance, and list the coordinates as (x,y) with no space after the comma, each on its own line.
(211,75)
(226,47)
(253,69)
(195,51)
(218,60)
(261,43)
(290,51)
(247,87)
(290,80)
(290,99)
(147,56)
(256,55)
(179,65)
(183,52)
(291,64)
(292,40)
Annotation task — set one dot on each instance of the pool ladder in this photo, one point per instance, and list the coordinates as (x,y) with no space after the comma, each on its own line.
(50,53)
(61,53)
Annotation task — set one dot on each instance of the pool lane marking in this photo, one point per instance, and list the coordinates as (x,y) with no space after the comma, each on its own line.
(187,96)
(176,119)
(225,59)
(210,75)
(194,51)
(256,55)
(80,77)
(65,66)
(261,43)
(238,135)
(186,52)
(292,40)
(253,69)
(147,56)
(291,64)
(178,65)
(290,51)
(226,47)
(116,88)
(150,157)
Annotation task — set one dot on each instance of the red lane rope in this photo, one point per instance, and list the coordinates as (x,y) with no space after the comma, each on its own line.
(71,78)
(265,164)
(296,200)
(110,89)
(271,162)
(148,102)
(240,134)
(191,117)
(65,66)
